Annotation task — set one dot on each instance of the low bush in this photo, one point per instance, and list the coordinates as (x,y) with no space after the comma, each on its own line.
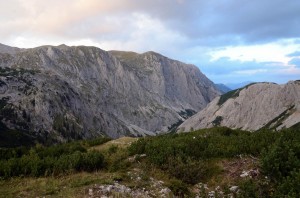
(179,188)
(248,189)
(43,161)
(117,159)
(190,171)
(189,157)
(97,141)
(289,186)
(281,163)
(203,144)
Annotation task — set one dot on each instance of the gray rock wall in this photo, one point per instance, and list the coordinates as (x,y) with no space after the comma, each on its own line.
(251,108)
(81,92)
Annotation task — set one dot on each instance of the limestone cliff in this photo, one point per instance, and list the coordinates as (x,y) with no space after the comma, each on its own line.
(63,92)
(251,108)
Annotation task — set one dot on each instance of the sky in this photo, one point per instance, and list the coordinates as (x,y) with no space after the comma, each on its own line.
(231,41)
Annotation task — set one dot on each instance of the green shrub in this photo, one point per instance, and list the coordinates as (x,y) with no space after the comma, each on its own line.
(92,161)
(138,147)
(217,121)
(281,163)
(97,141)
(118,161)
(203,144)
(283,157)
(190,157)
(7,153)
(38,163)
(248,189)
(231,94)
(190,171)
(290,186)
(179,188)
(113,149)
(58,150)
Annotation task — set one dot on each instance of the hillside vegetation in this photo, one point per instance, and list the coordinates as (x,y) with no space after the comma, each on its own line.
(209,161)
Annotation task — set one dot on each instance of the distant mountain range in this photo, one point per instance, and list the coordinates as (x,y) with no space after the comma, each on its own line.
(59,93)
(223,88)
(233,86)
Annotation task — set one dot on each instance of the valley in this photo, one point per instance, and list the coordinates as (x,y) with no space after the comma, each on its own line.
(83,122)
(146,99)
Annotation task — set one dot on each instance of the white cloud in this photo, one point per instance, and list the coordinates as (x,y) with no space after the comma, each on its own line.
(146,34)
(289,71)
(271,52)
(251,72)
(30,42)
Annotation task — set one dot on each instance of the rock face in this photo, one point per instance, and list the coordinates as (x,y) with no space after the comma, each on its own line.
(8,49)
(251,108)
(60,93)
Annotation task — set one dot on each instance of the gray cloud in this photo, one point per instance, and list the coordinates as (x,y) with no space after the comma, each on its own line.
(187,30)
(206,23)
(230,21)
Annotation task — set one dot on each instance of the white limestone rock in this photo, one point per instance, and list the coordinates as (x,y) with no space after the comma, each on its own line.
(251,108)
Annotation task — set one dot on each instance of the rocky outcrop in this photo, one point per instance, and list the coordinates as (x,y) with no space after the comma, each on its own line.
(251,108)
(66,92)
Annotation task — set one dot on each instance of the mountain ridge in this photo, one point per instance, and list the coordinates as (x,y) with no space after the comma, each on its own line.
(8,49)
(233,86)
(62,92)
(256,106)
(223,88)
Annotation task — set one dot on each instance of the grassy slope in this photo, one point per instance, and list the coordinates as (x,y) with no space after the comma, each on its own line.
(66,185)
(72,185)
(122,142)
(224,168)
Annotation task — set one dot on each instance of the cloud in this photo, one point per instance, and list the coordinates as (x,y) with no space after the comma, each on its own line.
(150,34)
(207,23)
(225,65)
(254,72)
(225,38)
(251,71)
(294,54)
(295,62)
(227,70)
(275,52)
(234,22)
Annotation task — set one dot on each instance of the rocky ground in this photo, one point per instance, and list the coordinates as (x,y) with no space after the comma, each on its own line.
(141,185)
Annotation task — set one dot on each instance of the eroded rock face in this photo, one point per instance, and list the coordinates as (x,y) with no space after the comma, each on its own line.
(79,92)
(251,108)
